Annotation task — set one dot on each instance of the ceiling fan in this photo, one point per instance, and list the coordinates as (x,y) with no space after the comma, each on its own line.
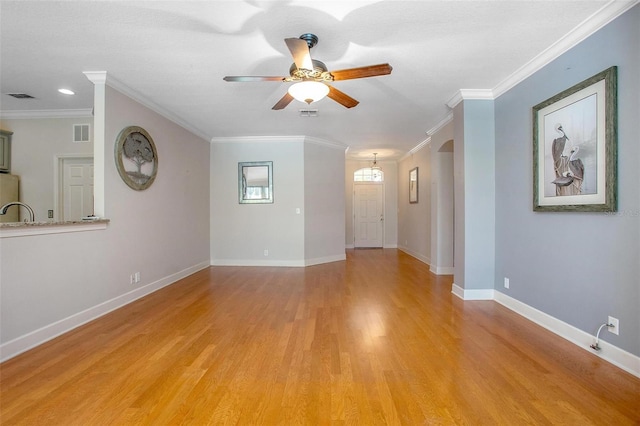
(311,76)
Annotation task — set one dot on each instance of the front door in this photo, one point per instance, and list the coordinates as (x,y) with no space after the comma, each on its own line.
(368,215)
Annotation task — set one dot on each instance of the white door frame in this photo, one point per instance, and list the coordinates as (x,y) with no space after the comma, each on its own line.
(58,179)
(353,209)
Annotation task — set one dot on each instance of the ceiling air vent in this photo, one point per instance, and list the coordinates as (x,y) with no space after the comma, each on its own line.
(20,95)
(81,133)
(308,113)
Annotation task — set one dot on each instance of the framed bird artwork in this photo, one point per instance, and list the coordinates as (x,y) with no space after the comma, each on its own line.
(574,147)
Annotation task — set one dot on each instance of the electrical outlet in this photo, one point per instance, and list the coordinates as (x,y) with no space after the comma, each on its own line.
(131,279)
(136,277)
(506,282)
(616,325)
(266,252)
(50,214)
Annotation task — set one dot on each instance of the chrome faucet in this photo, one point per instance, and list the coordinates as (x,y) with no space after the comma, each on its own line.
(32,215)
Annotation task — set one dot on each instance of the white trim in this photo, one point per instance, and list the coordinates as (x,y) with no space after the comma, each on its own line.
(435,129)
(473,294)
(442,270)
(257,139)
(586,28)
(45,228)
(349,246)
(415,149)
(610,353)
(326,259)
(277,139)
(390,246)
(98,79)
(46,113)
(470,94)
(420,257)
(252,262)
(103,77)
(30,340)
(325,142)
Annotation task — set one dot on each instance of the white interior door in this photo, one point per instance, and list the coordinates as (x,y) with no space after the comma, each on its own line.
(77,188)
(368,215)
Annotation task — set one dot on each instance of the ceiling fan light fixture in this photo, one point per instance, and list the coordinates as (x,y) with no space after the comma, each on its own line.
(308,91)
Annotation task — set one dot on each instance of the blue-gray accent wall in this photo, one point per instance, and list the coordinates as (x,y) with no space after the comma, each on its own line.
(577,267)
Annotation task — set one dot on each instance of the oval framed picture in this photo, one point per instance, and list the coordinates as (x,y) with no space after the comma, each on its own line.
(136,157)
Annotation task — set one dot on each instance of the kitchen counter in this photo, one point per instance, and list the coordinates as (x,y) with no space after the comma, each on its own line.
(22,229)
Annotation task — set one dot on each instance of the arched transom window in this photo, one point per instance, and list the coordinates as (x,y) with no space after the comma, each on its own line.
(368,175)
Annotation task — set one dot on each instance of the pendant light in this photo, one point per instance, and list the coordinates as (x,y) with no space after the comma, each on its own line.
(374,166)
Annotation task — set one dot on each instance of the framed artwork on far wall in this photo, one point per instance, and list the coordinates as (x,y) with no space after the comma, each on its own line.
(413,185)
(574,147)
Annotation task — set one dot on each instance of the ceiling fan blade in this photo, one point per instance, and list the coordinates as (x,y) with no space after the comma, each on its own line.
(282,103)
(249,78)
(361,72)
(300,51)
(341,97)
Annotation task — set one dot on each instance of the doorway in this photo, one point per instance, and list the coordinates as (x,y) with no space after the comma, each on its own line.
(368,215)
(74,191)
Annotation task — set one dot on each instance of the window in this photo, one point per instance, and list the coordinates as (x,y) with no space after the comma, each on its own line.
(368,175)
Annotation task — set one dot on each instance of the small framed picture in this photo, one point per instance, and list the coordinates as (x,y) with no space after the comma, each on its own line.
(574,147)
(413,185)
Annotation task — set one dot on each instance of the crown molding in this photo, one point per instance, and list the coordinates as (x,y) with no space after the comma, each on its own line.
(415,149)
(470,94)
(279,139)
(327,143)
(586,28)
(256,139)
(102,77)
(47,113)
(435,129)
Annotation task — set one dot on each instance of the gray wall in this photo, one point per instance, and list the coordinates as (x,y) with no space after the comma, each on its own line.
(577,267)
(324,205)
(241,232)
(442,194)
(414,220)
(306,176)
(51,283)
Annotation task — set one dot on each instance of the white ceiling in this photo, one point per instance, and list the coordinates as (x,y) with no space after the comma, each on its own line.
(175,54)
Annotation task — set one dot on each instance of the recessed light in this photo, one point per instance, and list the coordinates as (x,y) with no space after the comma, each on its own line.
(66,91)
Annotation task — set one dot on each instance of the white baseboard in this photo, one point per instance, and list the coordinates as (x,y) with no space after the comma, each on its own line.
(37,337)
(441,270)
(473,294)
(252,262)
(327,259)
(421,258)
(279,263)
(610,353)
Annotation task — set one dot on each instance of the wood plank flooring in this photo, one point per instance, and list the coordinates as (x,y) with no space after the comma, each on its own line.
(371,341)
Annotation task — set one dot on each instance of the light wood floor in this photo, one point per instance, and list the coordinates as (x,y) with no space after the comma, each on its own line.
(373,340)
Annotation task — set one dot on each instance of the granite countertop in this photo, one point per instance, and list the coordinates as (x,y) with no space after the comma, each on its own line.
(43,224)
